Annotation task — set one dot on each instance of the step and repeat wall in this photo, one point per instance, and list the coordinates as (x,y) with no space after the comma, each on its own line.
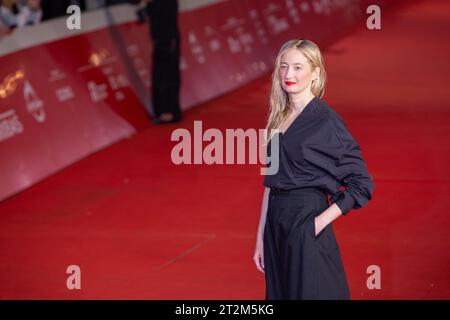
(65,94)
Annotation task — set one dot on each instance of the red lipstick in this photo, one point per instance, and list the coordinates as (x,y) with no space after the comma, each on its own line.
(289,83)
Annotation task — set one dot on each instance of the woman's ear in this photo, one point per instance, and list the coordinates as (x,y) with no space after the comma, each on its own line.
(316,73)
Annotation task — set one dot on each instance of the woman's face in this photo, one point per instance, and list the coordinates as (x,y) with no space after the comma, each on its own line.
(295,72)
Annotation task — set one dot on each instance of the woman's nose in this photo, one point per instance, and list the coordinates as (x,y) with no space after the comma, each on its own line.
(288,72)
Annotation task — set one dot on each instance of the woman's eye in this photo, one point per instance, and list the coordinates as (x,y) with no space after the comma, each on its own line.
(298,68)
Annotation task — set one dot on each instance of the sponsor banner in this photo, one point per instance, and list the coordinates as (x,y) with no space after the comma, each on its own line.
(63,99)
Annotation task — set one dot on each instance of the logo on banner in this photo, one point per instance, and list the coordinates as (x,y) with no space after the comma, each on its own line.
(196,48)
(322,6)
(10,83)
(64,93)
(55,75)
(293,12)
(34,104)
(260,30)
(10,124)
(98,92)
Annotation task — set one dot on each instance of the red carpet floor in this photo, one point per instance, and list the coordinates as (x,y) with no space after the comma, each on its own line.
(142,228)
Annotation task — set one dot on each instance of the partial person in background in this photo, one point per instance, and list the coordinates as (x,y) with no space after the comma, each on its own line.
(166,80)
(30,13)
(8,13)
(4,29)
(14,13)
(55,9)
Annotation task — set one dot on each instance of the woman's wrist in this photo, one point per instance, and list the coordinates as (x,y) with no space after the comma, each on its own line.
(327,217)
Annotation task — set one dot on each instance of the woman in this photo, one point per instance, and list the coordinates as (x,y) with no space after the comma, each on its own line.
(296,247)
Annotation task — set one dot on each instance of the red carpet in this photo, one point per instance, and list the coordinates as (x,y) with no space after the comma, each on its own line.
(142,228)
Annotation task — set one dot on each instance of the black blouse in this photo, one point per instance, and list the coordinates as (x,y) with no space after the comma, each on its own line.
(317,150)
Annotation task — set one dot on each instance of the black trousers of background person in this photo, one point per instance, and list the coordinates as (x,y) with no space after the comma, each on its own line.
(165,34)
(298,264)
(166,79)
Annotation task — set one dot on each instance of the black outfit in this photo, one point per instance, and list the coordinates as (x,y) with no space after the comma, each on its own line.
(317,155)
(166,78)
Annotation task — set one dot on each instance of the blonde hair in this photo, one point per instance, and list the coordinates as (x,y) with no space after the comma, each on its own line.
(279,100)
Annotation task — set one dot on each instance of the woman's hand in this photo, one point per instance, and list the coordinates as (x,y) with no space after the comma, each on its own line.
(326,217)
(319,225)
(258,257)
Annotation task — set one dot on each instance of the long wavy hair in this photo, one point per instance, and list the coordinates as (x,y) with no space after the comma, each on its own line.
(280,108)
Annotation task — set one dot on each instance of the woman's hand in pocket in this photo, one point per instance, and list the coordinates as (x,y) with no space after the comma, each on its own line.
(326,217)
(319,225)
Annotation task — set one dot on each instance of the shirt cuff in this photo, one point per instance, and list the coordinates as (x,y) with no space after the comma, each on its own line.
(344,201)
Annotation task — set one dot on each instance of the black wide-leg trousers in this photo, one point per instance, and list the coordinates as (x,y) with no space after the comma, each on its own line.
(166,79)
(299,264)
